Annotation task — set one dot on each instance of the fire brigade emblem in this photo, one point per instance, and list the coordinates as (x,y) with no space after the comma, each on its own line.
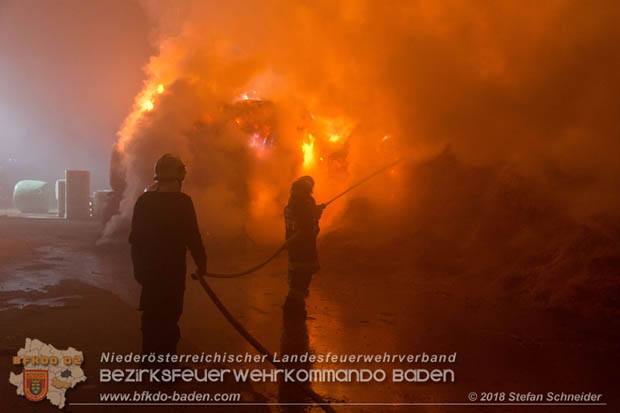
(48,373)
(35,384)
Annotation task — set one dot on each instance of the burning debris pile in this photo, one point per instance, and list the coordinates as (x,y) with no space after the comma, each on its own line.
(240,162)
(495,230)
(335,90)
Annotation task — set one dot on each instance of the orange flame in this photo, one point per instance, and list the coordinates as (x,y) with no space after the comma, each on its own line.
(308,149)
(144,102)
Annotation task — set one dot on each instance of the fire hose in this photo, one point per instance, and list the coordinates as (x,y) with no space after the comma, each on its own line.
(288,241)
(316,398)
(256,267)
(258,346)
(363,181)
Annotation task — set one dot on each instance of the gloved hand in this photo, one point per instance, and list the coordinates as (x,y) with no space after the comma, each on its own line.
(201,271)
(198,274)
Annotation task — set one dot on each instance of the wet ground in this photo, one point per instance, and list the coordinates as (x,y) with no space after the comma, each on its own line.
(55,285)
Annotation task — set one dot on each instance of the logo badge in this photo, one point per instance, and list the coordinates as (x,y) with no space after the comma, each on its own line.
(35,384)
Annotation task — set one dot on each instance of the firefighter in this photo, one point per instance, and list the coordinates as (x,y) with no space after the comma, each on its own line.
(164,224)
(301,217)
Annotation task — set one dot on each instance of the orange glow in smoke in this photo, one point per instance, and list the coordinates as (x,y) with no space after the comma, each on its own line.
(145,102)
(147,105)
(324,138)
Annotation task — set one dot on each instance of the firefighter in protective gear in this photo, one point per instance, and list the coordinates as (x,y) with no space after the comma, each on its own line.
(301,217)
(164,225)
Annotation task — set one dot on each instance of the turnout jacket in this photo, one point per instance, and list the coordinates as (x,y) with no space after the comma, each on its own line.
(164,225)
(301,216)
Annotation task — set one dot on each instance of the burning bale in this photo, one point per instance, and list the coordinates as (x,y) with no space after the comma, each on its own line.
(235,153)
(250,110)
(256,118)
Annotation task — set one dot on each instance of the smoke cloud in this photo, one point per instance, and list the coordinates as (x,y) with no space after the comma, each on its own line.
(533,87)
(69,71)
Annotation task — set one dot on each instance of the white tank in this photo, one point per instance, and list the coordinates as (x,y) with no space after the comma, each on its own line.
(60,197)
(30,196)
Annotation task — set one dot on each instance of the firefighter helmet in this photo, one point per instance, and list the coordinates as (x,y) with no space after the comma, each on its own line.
(169,168)
(308,179)
(303,185)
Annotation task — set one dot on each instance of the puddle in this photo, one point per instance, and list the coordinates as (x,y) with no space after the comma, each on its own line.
(21,303)
(31,281)
(40,273)
(54,264)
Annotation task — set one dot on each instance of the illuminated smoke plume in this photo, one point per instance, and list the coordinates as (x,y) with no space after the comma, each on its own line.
(356,84)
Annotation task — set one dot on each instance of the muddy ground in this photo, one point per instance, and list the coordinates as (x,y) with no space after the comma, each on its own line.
(57,286)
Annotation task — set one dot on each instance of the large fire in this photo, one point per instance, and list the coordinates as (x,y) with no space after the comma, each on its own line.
(251,109)
(260,146)
(315,145)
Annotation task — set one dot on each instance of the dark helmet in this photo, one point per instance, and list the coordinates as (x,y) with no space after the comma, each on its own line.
(303,185)
(169,168)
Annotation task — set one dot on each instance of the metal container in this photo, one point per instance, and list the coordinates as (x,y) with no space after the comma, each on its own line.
(101,199)
(77,189)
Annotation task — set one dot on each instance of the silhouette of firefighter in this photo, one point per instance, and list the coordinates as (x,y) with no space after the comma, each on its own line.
(301,217)
(164,224)
(294,340)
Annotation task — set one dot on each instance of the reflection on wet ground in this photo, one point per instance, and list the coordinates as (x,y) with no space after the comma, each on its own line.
(294,341)
(352,309)
(21,303)
(49,251)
